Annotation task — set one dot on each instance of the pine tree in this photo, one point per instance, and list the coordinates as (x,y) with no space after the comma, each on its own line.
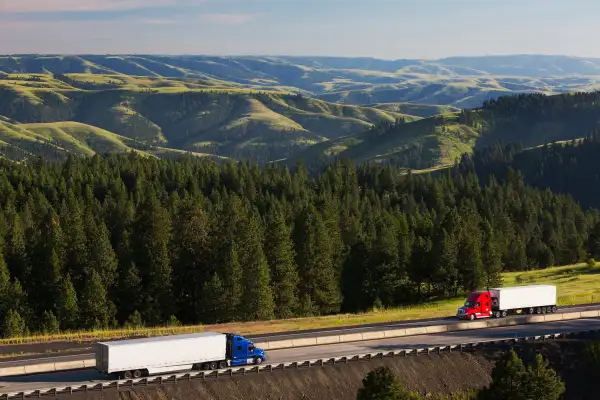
(152,237)
(507,379)
(191,262)
(213,301)
(129,292)
(68,307)
(134,321)
(13,325)
(101,256)
(541,382)
(381,384)
(49,263)
(447,261)
(315,263)
(232,281)
(257,298)
(50,324)
(18,302)
(280,254)
(76,247)
(16,253)
(5,284)
(491,258)
(95,310)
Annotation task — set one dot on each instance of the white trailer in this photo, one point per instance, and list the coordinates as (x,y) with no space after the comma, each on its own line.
(530,299)
(146,356)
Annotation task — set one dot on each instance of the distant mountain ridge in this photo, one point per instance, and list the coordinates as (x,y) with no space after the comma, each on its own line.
(458,81)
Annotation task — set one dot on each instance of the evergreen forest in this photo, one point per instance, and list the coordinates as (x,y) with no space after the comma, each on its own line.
(102,241)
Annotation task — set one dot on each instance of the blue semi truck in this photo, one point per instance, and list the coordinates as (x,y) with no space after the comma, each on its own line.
(136,358)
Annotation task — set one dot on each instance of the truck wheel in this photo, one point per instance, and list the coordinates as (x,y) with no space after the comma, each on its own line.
(213,365)
(137,373)
(539,310)
(544,310)
(504,314)
(127,375)
(258,360)
(531,311)
(472,317)
(222,364)
(497,314)
(554,309)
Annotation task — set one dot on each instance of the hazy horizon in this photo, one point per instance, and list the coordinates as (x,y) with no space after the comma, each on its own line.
(381,29)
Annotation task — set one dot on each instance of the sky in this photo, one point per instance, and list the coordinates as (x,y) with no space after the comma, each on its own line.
(387,29)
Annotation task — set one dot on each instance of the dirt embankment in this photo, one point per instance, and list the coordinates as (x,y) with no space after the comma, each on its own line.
(443,373)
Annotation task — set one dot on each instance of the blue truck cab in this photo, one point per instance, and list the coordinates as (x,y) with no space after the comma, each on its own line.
(241,351)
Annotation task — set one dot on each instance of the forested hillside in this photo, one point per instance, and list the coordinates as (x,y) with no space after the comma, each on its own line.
(564,167)
(96,242)
(532,119)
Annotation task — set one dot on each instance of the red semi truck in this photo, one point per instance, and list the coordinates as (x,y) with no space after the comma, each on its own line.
(500,302)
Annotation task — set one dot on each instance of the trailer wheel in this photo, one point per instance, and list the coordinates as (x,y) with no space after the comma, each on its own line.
(531,311)
(544,310)
(554,309)
(539,310)
(127,375)
(213,365)
(504,314)
(472,317)
(222,364)
(137,373)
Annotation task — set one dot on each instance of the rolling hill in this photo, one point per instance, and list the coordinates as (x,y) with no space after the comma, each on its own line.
(202,116)
(532,120)
(462,81)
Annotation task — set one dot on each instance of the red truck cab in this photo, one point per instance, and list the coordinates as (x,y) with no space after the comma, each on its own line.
(478,305)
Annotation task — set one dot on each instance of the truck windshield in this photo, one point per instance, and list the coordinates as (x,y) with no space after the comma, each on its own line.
(469,304)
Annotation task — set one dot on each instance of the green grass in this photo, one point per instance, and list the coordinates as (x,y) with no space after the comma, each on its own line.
(416,110)
(576,284)
(230,119)
(441,140)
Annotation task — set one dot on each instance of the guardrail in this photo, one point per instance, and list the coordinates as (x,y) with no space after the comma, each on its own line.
(425,330)
(343,338)
(321,362)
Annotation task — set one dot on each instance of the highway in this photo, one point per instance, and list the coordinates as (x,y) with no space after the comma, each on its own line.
(89,376)
(85,354)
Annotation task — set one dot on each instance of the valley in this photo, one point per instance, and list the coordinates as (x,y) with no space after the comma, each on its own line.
(406,112)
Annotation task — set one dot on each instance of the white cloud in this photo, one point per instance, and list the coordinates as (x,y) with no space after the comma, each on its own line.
(229,19)
(28,6)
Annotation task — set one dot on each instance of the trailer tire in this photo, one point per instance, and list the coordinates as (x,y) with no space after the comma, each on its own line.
(554,309)
(214,365)
(539,310)
(531,311)
(126,374)
(504,314)
(544,310)
(137,374)
(222,364)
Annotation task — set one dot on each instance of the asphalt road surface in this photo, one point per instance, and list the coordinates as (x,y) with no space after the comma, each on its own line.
(86,354)
(90,376)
